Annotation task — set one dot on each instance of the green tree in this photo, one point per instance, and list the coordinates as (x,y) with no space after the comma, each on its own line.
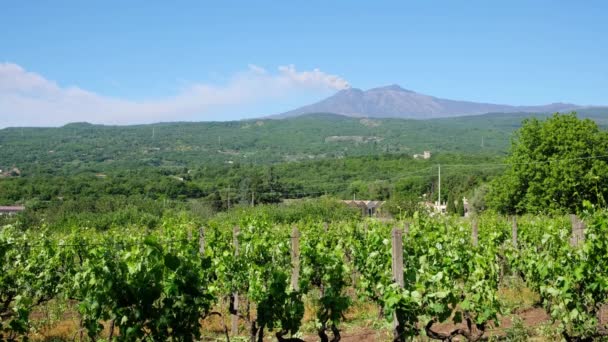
(460,207)
(477,204)
(451,205)
(554,165)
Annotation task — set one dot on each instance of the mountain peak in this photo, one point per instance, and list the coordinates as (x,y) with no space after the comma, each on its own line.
(392,87)
(392,101)
(350,90)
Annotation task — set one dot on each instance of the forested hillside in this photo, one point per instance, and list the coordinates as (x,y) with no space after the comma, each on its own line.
(108,174)
(79,147)
(83,147)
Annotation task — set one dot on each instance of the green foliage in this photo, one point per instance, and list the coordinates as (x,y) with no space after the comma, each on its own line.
(97,148)
(460,207)
(403,205)
(324,268)
(372,258)
(281,306)
(571,281)
(451,205)
(31,273)
(144,285)
(144,196)
(147,289)
(445,277)
(155,284)
(477,203)
(555,165)
(518,332)
(324,209)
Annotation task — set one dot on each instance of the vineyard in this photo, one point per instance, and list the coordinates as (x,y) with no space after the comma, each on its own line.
(259,278)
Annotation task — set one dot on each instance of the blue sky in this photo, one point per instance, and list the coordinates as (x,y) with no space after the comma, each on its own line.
(146,61)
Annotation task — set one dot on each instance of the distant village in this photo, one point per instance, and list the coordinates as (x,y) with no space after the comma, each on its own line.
(374,208)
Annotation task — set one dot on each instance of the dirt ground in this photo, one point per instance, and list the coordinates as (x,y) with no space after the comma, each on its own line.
(363,335)
(531,318)
(355,329)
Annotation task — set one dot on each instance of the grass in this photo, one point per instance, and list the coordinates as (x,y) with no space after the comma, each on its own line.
(515,297)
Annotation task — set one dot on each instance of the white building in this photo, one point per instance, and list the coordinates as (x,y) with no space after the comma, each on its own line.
(424,155)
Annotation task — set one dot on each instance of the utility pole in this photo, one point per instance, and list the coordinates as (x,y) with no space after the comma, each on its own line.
(153,132)
(482,144)
(252,198)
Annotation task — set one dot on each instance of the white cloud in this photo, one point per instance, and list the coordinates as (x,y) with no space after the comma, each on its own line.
(29,99)
(313,78)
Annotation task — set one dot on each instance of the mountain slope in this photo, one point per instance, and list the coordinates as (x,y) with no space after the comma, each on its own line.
(82,147)
(395,102)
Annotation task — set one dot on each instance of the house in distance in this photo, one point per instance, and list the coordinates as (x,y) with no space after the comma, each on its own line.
(424,155)
(11,210)
(368,208)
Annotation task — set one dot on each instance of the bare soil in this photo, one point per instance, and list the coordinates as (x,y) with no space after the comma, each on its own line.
(362,324)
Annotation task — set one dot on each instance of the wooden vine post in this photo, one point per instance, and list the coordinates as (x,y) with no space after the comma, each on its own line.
(475,233)
(514,231)
(235,296)
(295,258)
(578,231)
(578,238)
(201,241)
(397,256)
